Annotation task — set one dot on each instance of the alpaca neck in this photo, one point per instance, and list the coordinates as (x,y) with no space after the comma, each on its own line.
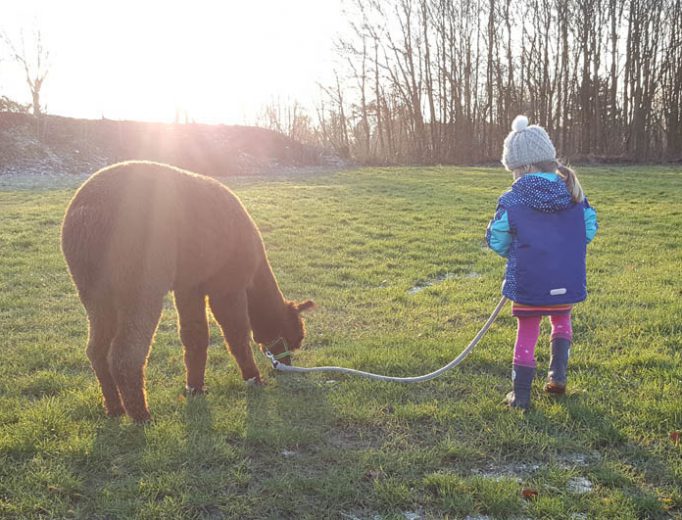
(266,303)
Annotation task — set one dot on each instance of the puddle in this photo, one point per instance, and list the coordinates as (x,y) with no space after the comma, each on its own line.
(420,286)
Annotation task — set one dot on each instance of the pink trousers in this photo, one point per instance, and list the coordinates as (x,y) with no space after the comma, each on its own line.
(528,333)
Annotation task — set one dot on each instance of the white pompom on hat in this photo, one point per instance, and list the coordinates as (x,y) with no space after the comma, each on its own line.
(519,123)
(526,145)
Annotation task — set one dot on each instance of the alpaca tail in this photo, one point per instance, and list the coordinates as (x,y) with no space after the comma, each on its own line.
(85,245)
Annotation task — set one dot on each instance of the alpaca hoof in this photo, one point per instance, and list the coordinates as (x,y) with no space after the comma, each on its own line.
(142,419)
(140,416)
(191,391)
(114,411)
(254,381)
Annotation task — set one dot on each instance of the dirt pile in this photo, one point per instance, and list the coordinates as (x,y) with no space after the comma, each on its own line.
(59,145)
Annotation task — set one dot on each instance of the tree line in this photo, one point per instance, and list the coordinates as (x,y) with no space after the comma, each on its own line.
(439,81)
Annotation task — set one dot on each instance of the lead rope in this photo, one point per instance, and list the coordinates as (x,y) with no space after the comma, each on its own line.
(418,379)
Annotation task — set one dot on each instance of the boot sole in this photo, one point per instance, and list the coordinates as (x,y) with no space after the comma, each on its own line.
(555,389)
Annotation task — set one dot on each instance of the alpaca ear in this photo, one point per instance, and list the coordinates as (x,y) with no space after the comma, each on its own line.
(304,306)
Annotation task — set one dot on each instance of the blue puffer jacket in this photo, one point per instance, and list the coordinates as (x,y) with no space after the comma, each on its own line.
(544,236)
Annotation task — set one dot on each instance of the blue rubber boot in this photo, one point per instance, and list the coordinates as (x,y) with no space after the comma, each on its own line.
(558,366)
(522,379)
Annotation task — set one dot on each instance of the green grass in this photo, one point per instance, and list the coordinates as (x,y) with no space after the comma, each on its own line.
(329,446)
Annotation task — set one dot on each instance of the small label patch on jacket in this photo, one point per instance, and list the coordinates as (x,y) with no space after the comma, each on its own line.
(557,292)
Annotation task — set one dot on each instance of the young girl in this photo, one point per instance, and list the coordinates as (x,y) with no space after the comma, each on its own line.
(542,226)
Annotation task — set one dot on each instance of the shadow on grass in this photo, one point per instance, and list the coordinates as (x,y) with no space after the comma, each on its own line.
(113,468)
(289,415)
(246,453)
(285,438)
(210,474)
(593,442)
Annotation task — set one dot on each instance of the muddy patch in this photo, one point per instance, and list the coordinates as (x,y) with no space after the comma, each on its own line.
(518,472)
(424,284)
(572,460)
(287,454)
(351,440)
(407,515)
(579,486)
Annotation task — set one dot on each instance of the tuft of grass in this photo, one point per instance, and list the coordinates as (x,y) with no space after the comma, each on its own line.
(394,258)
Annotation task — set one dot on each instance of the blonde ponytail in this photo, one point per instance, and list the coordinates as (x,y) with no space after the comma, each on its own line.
(572,182)
(567,175)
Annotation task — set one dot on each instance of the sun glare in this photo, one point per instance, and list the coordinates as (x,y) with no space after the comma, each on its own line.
(211,61)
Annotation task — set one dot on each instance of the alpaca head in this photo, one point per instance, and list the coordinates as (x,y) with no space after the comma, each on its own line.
(291,332)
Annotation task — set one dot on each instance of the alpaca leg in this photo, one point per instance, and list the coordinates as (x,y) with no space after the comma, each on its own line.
(230,310)
(102,319)
(129,351)
(193,325)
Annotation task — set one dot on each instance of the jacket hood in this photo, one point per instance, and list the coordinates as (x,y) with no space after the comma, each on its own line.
(543,193)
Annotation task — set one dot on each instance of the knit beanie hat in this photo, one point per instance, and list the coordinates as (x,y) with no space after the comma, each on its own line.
(526,145)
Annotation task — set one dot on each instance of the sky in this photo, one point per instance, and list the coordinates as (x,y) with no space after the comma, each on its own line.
(220,61)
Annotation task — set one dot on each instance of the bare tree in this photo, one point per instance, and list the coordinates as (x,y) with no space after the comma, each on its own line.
(604,77)
(35,61)
(290,119)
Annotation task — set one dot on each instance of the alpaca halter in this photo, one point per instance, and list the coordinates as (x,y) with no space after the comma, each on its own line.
(418,379)
(279,356)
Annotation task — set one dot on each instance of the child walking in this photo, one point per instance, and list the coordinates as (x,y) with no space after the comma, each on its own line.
(542,226)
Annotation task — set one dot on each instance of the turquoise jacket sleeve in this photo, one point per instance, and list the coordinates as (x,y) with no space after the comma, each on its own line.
(591,225)
(498,235)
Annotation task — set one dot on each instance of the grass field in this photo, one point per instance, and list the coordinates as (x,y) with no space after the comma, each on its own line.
(359,243)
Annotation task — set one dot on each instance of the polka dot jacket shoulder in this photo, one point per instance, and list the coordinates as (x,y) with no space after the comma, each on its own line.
(543,234)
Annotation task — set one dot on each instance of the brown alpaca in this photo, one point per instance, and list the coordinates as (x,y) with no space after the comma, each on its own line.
(135,231)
